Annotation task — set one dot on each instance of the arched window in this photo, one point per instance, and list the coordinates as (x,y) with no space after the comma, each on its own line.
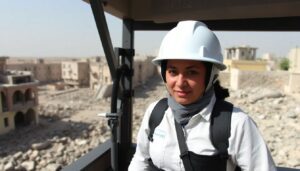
(4,102)
(30,117)
(28,95)
(18,97)
(19,120)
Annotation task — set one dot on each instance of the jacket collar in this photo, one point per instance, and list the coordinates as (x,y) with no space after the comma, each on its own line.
(205,113)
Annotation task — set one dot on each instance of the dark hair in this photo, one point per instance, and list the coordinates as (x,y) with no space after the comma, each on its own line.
(208,68)
(220,92)
(163,69)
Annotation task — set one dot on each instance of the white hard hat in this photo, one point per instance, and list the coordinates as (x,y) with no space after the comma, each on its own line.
(191,40)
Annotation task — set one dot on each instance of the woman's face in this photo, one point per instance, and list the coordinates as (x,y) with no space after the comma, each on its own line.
(185,80)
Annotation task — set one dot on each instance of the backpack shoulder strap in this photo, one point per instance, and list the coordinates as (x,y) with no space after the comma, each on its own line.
(156,116)
(220,126)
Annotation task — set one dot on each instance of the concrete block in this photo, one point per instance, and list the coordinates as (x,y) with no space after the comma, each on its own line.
(104,91)
(294,83)
(234,79)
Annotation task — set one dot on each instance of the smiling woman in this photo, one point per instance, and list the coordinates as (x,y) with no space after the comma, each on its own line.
(211,134)
(185,80)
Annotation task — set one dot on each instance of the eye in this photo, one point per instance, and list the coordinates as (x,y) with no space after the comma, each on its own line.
(172,72)
(192,72)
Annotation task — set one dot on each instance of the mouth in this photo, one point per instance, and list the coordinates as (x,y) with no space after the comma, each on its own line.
(182,94)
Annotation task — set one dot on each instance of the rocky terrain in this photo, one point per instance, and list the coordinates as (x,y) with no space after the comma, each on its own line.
(69,126)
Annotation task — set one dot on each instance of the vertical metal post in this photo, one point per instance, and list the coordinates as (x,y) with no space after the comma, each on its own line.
(125,128)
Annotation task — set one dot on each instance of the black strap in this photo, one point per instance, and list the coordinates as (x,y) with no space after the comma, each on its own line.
(220,126)
(152,167)
(156,116)
(184,153)
(219,132)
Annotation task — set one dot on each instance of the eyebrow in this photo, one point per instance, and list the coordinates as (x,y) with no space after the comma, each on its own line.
(189,67)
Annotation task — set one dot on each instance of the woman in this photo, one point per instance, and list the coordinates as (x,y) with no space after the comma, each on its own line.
(190,59)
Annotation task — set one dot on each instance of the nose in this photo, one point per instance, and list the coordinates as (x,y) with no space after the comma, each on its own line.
(181,81)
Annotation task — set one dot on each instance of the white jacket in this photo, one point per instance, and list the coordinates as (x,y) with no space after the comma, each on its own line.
(246,145)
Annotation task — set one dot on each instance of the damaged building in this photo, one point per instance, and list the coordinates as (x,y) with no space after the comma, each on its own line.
(19,98)
(45,71)
(75,73)
(101,81)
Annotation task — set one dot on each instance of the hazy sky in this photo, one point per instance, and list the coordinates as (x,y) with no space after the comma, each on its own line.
(66,28)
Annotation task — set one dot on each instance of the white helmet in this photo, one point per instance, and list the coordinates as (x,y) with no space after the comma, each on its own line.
(191,40)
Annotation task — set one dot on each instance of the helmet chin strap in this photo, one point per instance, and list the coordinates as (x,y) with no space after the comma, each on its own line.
(212,78)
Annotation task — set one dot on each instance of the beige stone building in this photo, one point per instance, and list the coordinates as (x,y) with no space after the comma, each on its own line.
(96,74)
(41,69)
(101,81)
(143,70)
(240,53)
(75,73)
(19,98)
(243,58)
(240,60)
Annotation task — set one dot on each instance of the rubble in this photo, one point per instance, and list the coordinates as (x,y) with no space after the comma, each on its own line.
(69,127)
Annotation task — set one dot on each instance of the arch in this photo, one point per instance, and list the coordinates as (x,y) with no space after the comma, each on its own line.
(4,102)
(18,97)
(28,95)
(19,120)
(30,116)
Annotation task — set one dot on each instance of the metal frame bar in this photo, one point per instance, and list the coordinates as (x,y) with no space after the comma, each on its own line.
(97,159)
(125,124)
(251,24)
(103,32)
(125,128)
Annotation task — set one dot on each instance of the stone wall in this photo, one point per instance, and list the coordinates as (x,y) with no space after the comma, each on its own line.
(42,72)
(246,79)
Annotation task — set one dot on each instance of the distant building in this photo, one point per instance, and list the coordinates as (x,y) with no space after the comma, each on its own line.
(75,73)
(42,71)
(143,70)
(243,58)
(240,53)
(100,78)
(19,98)
(99,74)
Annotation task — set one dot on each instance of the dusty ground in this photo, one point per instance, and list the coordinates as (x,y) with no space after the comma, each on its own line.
(68,119)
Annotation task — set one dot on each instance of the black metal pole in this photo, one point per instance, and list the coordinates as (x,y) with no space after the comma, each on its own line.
(125,128)
(103,31)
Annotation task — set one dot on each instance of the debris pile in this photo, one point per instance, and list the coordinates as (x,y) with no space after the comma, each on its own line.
(69,126)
